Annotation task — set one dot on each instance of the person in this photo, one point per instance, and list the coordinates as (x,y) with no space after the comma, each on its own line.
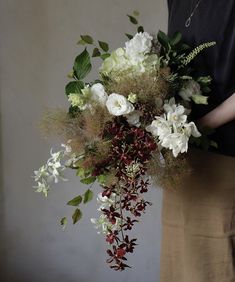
(198,219)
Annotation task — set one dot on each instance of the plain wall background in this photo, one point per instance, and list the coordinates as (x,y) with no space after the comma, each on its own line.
(38,46)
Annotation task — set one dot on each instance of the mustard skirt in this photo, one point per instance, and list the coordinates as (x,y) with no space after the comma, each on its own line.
(198,222)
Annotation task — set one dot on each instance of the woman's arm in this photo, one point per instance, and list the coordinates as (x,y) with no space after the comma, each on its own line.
(222,114)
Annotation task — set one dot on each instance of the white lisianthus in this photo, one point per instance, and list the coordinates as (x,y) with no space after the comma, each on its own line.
(138,46)
(192,90)
(134,118)
(98,94)
(118,105)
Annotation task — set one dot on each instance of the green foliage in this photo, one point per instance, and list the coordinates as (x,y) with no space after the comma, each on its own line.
(74,87)
(105,56)
(87,39)
(88,196)
(88,180)
(104,46)
(140,28)
(63,222)
(129,36)
(75,201)
(96,52)
(82,65)
(77,215)
(132,19)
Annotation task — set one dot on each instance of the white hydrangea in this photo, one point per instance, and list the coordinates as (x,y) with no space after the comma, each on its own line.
(172,129)
(138,47)
(132,59)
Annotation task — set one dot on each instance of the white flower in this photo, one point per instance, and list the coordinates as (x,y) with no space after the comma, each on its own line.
(172,129)
(132,98)
(41,173)
(191,90)
(104,223)
(160,127)
(42,187)
(105,201)
(118,105)
(98,93)
(138,46)
(134,118)
(117,61)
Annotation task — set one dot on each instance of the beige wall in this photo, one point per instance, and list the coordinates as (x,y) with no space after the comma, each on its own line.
(38,45)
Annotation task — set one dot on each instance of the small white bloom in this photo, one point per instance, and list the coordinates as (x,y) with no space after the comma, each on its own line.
(118,105)
(98,93)
(105,201)
(134,118)
(42,187)
(41,173)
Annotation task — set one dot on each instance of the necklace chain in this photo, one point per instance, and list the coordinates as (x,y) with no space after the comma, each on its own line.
(189,19)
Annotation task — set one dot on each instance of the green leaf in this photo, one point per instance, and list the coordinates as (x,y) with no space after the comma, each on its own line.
(77,215)
(75,201)
(175,38)
(102,178)
(81,42)
(88,180)
(105,56)
(132,19)
(96,52)
(88,196)
(82,65)
(63,222)
(163,39)
(129,36)
(136,13)
(74,87)
(87,38)
(140,28)
(104,46)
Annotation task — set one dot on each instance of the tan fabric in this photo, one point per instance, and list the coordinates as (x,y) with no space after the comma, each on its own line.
(198,223)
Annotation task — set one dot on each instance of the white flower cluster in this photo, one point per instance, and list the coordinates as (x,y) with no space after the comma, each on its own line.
(116,104)
(131,57)
(103,222)
(53,169)
(172,129)
(94,94)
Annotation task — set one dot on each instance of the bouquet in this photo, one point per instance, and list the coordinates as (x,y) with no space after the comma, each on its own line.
(127,130)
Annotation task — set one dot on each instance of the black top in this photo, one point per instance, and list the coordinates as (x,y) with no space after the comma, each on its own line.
(212,21)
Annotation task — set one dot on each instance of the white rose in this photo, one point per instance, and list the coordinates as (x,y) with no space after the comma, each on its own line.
(118,105)
(98,93)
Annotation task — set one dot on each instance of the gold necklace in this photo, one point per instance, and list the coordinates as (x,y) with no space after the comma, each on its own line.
(189,19)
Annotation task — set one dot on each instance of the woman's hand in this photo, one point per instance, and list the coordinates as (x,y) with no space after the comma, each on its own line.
(222,114)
